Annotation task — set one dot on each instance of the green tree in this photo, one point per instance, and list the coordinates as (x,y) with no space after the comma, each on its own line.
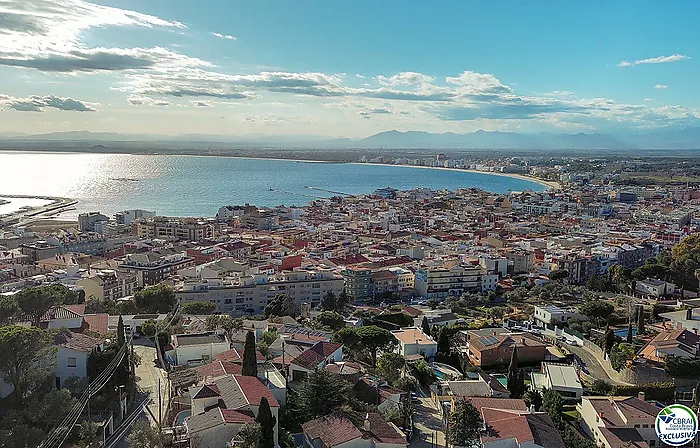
(618,277)
(156,299)
(601,387)
(249,435)
(250,361)
(372,339)
(321,393)
(640,321)
(609,340)
(282,305)
(343,300)
(533,398)
(558,275)
(516,377)
(629,332)
(423,372)
(390,365)
(148,328)
(348,337)
(433,303)
(496,312)
(329,302)
(24,351)
(685,259)
(8,309)
(142,435)
(267,424)
(121,335)
(35,302)
(94,305)
(199,308)
(425,326)
(599,310)
(330,320)
(224,322)
(553,404)
(465,424)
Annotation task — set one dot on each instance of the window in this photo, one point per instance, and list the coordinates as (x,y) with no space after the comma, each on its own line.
(652,443)
(71,362)
(227,301)
(637,425)
(645,426)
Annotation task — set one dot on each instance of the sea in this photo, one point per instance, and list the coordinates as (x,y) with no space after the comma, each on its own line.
(185,185)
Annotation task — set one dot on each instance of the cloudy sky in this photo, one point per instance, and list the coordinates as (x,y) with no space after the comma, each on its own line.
(347,68)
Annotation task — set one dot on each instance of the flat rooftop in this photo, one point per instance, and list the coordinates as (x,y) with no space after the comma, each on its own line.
(198,339)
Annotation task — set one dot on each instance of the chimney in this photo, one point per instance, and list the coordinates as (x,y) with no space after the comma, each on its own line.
(642,395)
(365,424)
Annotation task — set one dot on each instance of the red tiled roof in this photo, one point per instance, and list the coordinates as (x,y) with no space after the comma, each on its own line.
(229,355)
(97,322)
(218,368)
(76,308)
(332,430)
(511,404)
(254,390)
(76,341)
(312,357)
(59,312)
(505,425)
(207,391)
(236,416)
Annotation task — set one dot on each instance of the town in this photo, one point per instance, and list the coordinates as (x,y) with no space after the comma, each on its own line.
(566,317)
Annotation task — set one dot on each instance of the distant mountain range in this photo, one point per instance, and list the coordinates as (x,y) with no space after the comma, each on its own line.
(665,138)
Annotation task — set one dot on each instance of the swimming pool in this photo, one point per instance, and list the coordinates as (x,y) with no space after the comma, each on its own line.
(501,378)
(180,419)
(622,332)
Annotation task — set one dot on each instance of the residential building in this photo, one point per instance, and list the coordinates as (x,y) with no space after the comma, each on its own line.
(127,217)
(249,294)
(617,422)
(358,283)
(560,378)
(671,342)
(688,318)
(505,428)
(260,220)
(151,268)
(440,283)
(545,315)
(196,349)
(654,288)
(414,344)
(492,347)
(87,221)
(73,351)
(484,386)
(522,261)
(315,357)
(352,430)
(108,284)
(384,282)
(40,250)
(184,229)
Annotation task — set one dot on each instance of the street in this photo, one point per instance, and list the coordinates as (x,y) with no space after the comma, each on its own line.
(428,423)
(592,364)
(148,376)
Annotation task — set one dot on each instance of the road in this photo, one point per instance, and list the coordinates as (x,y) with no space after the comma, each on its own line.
(428,421)
(592,364)
(148,376)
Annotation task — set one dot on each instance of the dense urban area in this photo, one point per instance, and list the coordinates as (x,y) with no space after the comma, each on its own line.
(562,318)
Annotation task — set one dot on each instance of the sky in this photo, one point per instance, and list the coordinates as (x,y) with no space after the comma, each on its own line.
(347,69)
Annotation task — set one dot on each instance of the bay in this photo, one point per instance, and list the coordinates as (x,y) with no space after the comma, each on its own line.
(177,185)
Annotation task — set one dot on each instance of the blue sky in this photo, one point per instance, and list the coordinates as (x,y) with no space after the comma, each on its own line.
(347,69)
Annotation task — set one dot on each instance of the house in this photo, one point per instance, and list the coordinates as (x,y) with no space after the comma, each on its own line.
(352,430)
(316,357)
(552,314)
(654,288)
(378,393)
(73,351)
(196,349)
(671,342)
(108,284)
(413,343)
(222,407)
(493,346)
(484,386)
(688,318)
(437,317)
(617,422)
(517,429)
(561,378)
(62,317)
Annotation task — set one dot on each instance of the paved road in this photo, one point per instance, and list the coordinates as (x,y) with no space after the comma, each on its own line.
(147,376)
(428,422)
(592,364)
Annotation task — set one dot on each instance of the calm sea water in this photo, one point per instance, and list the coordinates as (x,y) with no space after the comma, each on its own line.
(198,186)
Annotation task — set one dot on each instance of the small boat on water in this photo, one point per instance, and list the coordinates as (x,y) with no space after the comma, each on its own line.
(124,179)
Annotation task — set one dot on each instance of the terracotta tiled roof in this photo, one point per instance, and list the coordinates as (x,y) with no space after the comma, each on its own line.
(78,308)
(312,357)
(76,341)
(207,391)
(332,430)
(97,323)
(512,404)
(505,425)
(237,416)
(623,438)
(218,368)
(60,312)
(254,390)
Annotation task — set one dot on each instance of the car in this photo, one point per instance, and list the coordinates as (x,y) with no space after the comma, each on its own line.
(137,335)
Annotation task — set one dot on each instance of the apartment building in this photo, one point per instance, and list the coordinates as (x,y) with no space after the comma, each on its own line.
(151,269)
(358,283)
(442,282)
(250,294)
(186,229)
(108,284)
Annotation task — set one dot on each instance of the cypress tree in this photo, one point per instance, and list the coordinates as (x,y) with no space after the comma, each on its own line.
(640,320)
(516,378)
(121,337)
(267,424)
(629,332)
(250,361)
(425,326)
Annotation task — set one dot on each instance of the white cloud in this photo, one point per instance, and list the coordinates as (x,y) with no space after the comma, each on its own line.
(657,60)
(661,86)
(405,79)
(146,101)
(38,103)
(224,36)
(359,76)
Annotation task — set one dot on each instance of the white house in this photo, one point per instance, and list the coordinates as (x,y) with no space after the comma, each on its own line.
(652,287)
(197,349)
(561,378)
(614,422)
(73,351)
(221,408)
(315,357)
(62,317)
(352,430)
(413,342)
(547,314)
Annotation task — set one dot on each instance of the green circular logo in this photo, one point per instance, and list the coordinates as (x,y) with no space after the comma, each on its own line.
(676,425)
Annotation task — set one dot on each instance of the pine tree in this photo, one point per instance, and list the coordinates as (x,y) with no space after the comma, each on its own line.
(465,424)
(250,361)
(121,337)
(516,377)
(267,424)
(425,326)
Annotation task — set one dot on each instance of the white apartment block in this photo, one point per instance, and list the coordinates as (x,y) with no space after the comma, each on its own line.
(250,294)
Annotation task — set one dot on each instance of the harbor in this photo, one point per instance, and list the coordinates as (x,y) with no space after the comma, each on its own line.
(19,210)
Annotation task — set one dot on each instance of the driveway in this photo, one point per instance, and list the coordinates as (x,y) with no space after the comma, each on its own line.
(147,378)
(591,364)
(428,421)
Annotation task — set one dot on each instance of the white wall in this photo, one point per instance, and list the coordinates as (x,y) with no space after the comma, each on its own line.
(61,368)
(196,352)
